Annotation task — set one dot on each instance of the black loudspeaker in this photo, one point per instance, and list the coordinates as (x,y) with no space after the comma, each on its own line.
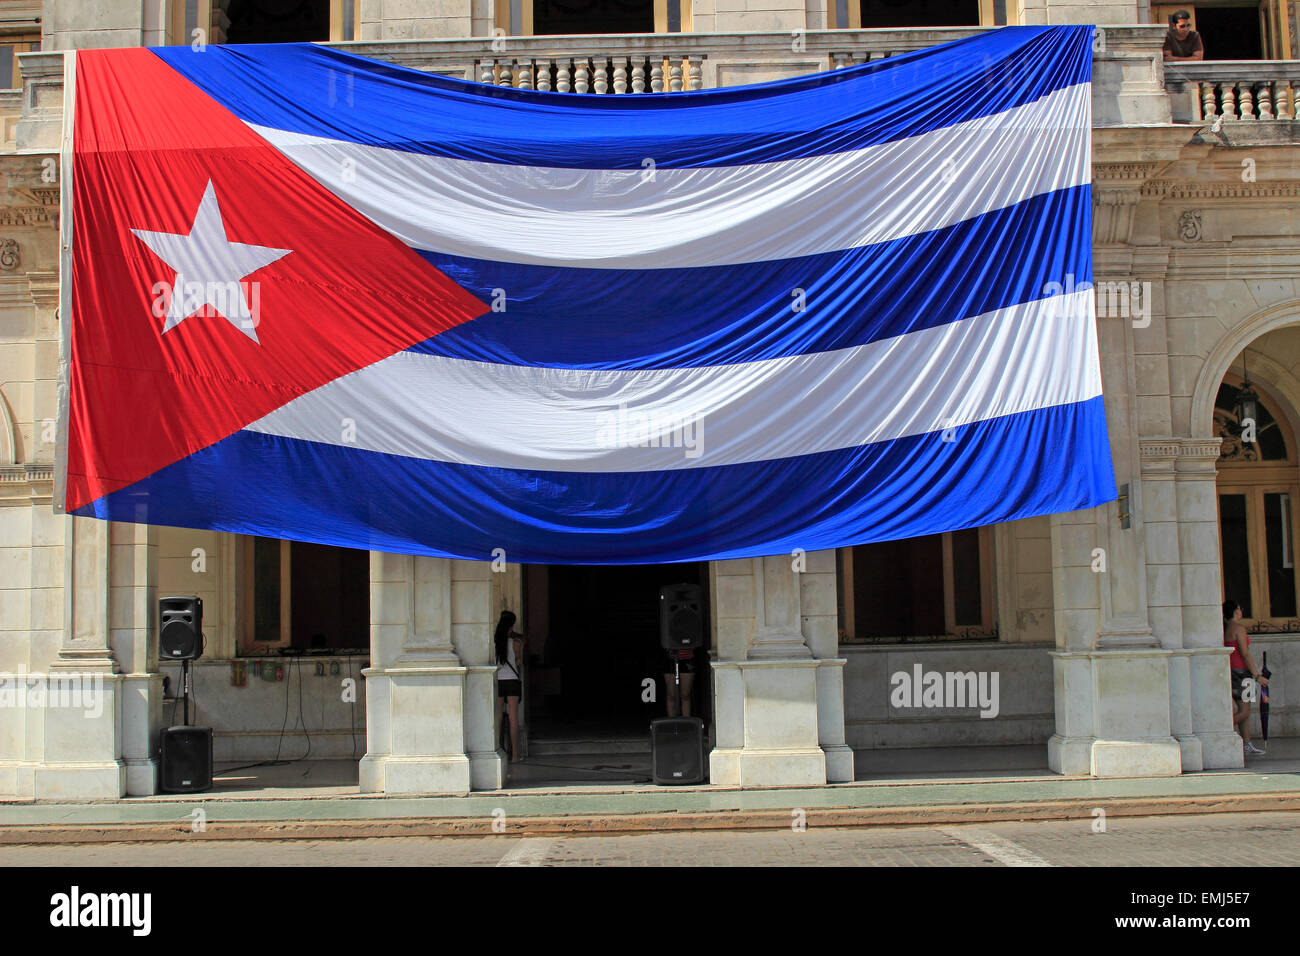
(186,759)
(180,628)
(677,749)
(681,616)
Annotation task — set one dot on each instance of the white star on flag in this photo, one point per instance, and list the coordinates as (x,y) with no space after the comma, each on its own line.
(209,268)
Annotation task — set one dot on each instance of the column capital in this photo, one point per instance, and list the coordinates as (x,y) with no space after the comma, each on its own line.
(1199,456)
(1162,453)
(1158,456)
(44,288)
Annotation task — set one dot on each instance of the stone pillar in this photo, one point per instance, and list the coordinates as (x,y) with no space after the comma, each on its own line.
(77,750)
(473,619)
(1164,586)
(133,637)
(1077,617)
(420,20)
(1111,684)
(88,25)
(428,715)
(819,622)
(1202,612)
(775,703)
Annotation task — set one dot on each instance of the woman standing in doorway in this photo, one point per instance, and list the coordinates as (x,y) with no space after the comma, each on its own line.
(683,661)
(509,647)
(1242,665)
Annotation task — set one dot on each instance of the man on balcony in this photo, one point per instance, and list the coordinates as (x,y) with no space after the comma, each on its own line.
(1182,42)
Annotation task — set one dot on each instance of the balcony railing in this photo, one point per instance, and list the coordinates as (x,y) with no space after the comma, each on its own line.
(649,63)
(1235,90)
(673,62)
(1131,84)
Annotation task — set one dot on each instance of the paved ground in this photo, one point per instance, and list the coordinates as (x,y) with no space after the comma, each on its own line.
(1253,839)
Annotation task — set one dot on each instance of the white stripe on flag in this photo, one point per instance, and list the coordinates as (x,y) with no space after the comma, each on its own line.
(677,218)
(1025,357)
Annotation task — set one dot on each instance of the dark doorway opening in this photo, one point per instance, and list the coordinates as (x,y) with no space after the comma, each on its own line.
(593,642)
(1230,33)
(278,21)
(566,17)
(920,13)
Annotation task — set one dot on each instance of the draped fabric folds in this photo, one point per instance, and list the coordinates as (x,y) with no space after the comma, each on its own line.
(323,298)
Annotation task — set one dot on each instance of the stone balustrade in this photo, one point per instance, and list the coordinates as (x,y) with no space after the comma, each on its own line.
(646,63)
(675,62)
(639,73)
(1127,70)
(1235,90)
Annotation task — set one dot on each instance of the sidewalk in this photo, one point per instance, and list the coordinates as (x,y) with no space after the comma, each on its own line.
(317,801)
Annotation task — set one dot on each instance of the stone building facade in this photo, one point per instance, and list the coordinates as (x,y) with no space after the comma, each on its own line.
(1104,626)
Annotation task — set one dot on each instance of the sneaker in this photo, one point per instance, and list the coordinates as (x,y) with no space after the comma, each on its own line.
(1252,749)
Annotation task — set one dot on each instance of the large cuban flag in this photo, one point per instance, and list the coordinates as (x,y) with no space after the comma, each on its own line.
(324,298)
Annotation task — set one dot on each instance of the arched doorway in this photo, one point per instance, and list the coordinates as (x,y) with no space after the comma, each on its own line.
(1258,482)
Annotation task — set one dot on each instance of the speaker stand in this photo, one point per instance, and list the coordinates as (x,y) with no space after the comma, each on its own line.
(185,691)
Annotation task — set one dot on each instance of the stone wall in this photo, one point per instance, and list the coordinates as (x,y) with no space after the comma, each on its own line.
(302,715)
(1024,712)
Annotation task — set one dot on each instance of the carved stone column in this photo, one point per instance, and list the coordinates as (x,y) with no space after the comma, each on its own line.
(429,705)
(1112,698)
(1164,585)
(1198,538)
(775,704)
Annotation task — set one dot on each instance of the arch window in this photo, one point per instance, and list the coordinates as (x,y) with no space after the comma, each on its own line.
(1258,487)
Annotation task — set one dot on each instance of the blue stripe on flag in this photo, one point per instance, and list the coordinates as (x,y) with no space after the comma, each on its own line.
(716,315)
(304,88)
(1051,460)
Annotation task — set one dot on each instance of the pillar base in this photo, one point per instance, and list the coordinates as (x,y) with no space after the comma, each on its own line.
(1069,756)
(839,764)
(1160,757)
(487,771)
(415,776)
(766,724)
(767,768)
(141,777)
(99,780)
(1222,750)
(415,731)
(1193,757)
(1088,756)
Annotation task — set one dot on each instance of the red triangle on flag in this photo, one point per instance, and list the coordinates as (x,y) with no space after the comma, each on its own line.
(148,145)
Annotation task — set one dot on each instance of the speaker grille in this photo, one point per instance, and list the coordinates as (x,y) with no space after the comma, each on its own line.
(178,641)
(186,764)
(677,750)
(684,626)
(180,622)
(681,616)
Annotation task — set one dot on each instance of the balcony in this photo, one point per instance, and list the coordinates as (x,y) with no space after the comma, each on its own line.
(1245,90)
(1133,87)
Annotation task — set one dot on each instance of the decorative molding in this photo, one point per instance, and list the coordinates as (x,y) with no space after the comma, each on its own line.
(33,482)
(44,288)
(44,196)
(1202,448)
(1112,217)
(1189,225)
(1234,449)
(10,255)
(1102,172)
(9,436)
(27,215)
(1165,189)
(1157,448)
